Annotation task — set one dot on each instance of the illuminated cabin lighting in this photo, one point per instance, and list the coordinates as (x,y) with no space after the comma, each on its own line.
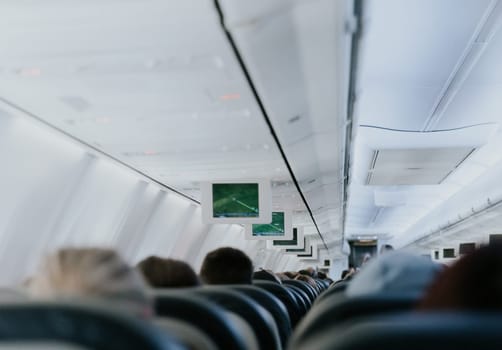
(30,72)
(229,97)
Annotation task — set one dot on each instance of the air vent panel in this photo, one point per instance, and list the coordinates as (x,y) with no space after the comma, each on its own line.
(428,166)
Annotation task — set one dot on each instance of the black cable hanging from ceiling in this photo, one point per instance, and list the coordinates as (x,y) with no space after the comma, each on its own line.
(265,114)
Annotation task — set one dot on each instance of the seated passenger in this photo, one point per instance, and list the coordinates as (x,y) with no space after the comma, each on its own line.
(266,275)
(307,279)
(226,266)
(386,248)
(99,274)
(291,274)
(366,259)
(394,272)
(323,276)
(309,271)
(282,276)
(167,273)
(472,283)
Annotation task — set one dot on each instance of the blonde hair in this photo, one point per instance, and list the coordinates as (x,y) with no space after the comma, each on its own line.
(91,273)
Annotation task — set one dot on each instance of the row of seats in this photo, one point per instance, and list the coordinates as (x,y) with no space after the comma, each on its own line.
(271,310)
(252,317)
(391,321)
(258,316)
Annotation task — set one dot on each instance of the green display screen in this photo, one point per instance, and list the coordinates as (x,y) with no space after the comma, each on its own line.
(275,228)
(293,241)
(236,200)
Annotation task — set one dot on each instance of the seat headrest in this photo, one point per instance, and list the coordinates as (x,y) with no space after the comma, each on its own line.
(90,325)
(447,331)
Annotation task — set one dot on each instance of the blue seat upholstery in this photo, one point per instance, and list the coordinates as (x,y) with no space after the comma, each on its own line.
(257,317)
(309,290)
(306,300)
(415,331)
(337,288)
(92,326)
(207,317)
(295,310)
(273,305)
(333,313)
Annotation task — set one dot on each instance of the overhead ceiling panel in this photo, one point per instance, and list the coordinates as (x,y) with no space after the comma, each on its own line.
(415,166)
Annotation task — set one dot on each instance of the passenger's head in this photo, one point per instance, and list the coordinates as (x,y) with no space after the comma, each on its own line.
(94,273)
(291,274)
(473,283)
(309,271)
(386,248)
(396,271)
(307,279)
(266,275)
(167,273)
(366,259)
(321,275)
(226,266)
(282,276)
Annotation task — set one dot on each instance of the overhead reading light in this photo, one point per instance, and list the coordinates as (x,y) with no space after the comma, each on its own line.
(228,97)
(30,72)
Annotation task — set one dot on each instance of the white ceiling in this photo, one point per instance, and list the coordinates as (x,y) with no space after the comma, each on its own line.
(155,84)
(427,66)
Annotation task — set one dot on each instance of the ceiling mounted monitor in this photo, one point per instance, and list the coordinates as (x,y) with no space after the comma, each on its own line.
(296,242)
(294,251)
(236,202)
(312,253)
(280,227)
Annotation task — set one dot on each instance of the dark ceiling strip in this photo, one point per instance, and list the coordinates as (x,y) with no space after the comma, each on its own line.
(264,113)
(94,148)
(351,100)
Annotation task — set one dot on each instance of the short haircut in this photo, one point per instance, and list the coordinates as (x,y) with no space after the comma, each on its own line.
(266,275)
(166,273)
(226,266)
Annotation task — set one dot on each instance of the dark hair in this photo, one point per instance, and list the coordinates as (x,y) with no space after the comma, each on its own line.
(291,274)
(226,266)
(165,273)
(309,271)
(472,283)
(321,275)
(266,275)
(306,278)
